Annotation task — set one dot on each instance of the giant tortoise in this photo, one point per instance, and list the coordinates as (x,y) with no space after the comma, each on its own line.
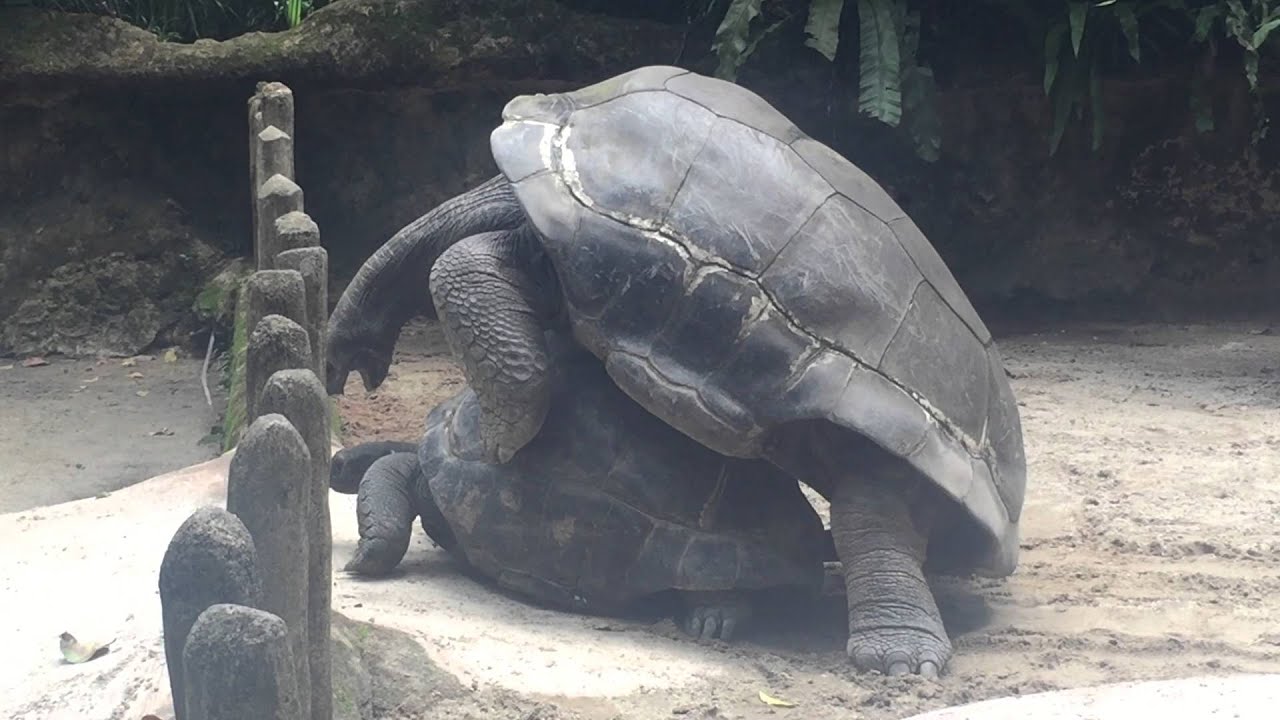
(608,510)
(750,287)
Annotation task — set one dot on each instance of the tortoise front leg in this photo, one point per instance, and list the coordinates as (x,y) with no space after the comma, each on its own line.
(491,292)
(894,623)
(385,511)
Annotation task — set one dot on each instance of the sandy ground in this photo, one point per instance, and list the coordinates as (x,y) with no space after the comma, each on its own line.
(76,428)
(1151,531)
(1151,551)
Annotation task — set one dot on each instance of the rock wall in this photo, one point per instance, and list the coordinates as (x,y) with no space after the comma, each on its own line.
(123,185)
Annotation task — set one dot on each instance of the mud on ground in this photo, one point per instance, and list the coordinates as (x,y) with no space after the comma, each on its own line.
(1151,533)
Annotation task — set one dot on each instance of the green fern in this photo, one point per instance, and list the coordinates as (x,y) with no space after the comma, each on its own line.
(823,26)
(879,63)
(732,37)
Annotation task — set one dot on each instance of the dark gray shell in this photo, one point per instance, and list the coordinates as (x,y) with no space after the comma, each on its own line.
(608,505)
(736,275)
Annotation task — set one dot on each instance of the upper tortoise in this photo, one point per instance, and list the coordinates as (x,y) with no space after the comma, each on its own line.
(750,287)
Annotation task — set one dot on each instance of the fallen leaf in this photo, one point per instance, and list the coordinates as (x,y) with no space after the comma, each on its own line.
(34,362)
(772,701)
(92,379)
(74,651)
(171,355)
(142,393)
(135,375)
(128,362)
(162,431)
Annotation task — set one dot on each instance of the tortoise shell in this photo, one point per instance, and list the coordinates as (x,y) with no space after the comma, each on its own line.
(737,276)
(608,505)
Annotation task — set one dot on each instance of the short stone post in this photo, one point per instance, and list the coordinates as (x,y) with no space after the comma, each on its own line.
(277,343)
(269,489)
(276,197)
(210,560)
(238,666)
(297,230)
(271,292)
(275,292)
(313,264)
(300,397)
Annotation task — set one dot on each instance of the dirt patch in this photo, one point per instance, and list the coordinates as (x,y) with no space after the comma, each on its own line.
(1151,537)
(73,428)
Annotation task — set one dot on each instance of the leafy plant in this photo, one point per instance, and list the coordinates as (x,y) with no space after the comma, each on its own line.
(892,86)
(187,20)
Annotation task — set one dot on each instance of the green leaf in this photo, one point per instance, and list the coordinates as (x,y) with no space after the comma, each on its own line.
(879,89)
(920,112)
(1260,35)
(1129,26)
(1079,12)
(823,26)
(1052,51)
(731,37)
(1251,67)
(1204,21)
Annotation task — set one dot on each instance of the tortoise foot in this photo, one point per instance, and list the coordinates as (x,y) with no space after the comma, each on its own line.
(714,616)
(373,559)
(900,651)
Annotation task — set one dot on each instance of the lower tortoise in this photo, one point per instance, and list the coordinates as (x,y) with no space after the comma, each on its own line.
(608,510)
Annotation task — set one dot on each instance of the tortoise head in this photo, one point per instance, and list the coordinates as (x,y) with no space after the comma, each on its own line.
(356,344)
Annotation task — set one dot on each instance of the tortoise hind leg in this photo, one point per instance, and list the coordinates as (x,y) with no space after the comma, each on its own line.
(894,623)
(710,615)
(493,293)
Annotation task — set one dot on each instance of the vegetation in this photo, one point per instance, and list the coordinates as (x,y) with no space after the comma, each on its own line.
(1078,43)
(894,46)
(189,20)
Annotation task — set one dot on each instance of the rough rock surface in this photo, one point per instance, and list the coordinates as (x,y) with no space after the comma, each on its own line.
(441,43)
(97,279)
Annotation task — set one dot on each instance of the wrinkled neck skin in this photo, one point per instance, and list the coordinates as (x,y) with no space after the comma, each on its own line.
(392,287)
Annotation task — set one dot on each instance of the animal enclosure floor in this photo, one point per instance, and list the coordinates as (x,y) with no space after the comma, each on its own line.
(1151,532)
(76,428)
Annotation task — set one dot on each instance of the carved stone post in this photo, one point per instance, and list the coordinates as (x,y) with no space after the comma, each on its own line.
(210,560)
(300,397)
(277,197)
(313,264)
(238,665)
(269,489)
(271,105)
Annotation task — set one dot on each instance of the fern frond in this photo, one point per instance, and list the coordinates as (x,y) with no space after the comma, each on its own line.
(823,26)
(880,67)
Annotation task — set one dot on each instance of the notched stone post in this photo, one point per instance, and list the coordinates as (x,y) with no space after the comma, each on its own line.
(313,264)
(276,197)
(238,666)
(269,489)
(300,397)
(210,560)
